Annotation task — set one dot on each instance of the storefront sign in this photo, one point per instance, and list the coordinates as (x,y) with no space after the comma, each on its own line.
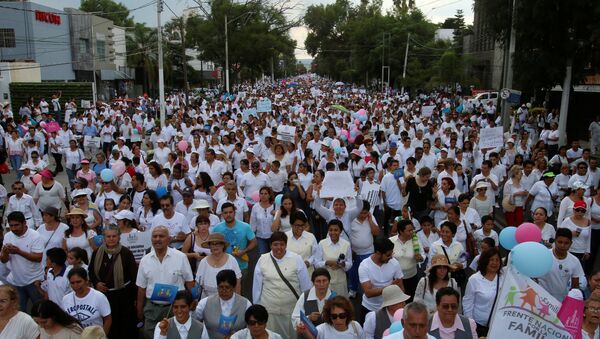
(50,18)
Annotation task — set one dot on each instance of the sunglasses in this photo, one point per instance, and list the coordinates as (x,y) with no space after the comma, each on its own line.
(255,322)
(334,316)
(453,307)
(580,210)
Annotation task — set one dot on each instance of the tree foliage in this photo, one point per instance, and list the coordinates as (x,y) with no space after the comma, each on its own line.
(347,42)
(548,33)
(258,34)
(109,9)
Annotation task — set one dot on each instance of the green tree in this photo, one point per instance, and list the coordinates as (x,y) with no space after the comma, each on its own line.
(142,54)
(109,9)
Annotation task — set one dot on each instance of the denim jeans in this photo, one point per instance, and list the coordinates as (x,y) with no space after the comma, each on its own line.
(26,293)
(263,245)
(354,282)
(15,163)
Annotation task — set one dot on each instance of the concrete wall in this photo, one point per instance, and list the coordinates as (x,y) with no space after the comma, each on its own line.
(120,47)
(103,33)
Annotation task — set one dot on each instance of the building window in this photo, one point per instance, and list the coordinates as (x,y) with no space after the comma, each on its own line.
(101,48)
(83,46)
(7,37)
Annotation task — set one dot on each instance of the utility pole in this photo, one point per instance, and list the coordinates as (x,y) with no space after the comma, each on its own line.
(161,74)
(508,70)
(186,86)
(272,70)
(226,58)
(564,103)
(93,40)
(383,63)
(405,61)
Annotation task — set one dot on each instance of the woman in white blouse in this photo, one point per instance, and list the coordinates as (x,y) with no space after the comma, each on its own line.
(580,226)
(150,208)
(437,277)
(155,178)
(482,290)
(335,255)
(540,218)
(338,315)
(217,261)
(261,219)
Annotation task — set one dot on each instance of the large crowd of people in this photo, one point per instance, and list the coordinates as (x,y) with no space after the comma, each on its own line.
(232,201)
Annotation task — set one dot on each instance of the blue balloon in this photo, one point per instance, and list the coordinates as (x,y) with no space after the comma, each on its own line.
(507,237)
(98,239)
(354,133)
(106,175)
(363,118)
(396,327)
(532,259)
(161,191)
(337,150)
(278,199)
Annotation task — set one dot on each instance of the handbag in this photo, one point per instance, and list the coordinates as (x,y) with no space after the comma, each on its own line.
(460,276)
(507,205)
(470,242)
(283,278)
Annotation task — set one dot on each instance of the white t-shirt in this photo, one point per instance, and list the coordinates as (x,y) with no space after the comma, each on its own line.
(89,310)
(379,276)
(82,241)
(175,225)
(57,286)
(52,239)
(354,331)
(558,281)
(23,271)
(206,274)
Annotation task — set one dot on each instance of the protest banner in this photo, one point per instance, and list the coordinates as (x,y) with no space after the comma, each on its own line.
(337,184)
(248,112)
(286,133)
(241,95)
(86,104)
(427,111)
(264,106)
(92,142)
(138,243)
(571,312)
(525,310)
(491,137)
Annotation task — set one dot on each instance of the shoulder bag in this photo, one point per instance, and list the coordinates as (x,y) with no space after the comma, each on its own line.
(283,278)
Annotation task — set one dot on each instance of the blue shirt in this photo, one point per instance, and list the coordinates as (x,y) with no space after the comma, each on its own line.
(91,131)
(237,236)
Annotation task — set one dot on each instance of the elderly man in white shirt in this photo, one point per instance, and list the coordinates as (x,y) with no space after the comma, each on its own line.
(23,203)
(162,265)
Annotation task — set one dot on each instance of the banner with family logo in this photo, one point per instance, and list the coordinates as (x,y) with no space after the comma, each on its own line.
(525,310)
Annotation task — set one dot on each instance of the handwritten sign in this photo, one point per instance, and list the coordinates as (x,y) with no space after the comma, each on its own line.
(491,137)
(264,106)
(89,141)
(337,184)
(427,111)
(286,133)
(138,243)
(86,104)
(248,112)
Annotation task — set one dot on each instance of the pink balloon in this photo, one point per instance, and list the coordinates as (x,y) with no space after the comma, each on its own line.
(386,332)
(255,196)
(362,111)
(118,168)
(398,315)
(335,143)
(528,232)
(301,110)
(182,145)
(356,122)
(345,133)
(351,139)
(36,178)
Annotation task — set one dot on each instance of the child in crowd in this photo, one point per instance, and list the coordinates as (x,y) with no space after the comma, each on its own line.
(109,212)
(486,231)
(76,257)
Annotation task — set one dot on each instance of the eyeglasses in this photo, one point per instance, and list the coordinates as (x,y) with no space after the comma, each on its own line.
(452,307)
(594,309)
(580,210)
(334,316)
(255,322)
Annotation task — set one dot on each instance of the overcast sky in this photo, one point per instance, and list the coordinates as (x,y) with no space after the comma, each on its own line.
(435,10)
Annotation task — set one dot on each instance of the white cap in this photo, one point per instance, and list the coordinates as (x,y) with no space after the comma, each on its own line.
(576,294)
(125,214)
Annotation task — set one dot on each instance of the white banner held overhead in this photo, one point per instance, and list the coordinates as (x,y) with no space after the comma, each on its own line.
(491,137)
(427,111)
(264,106)
(337,184)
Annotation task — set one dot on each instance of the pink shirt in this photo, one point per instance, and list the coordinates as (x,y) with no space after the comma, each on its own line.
(89,176)
(448,332)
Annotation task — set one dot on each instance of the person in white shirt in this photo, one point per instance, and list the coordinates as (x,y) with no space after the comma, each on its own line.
(22,252)
(254,180)
(391,188)
(277,177)
(174,221)
(311,302)
(543,193)
(56,285)
(23,203)
(376,322)
(271,291)
(256,318)
(415,321)
(335,255)
(566,269)
(89,306)
(381,269)
(162,265)
(408,254)
(182,325)
(489,178)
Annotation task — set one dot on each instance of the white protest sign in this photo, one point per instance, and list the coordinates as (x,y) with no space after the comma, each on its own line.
(427,111)
(525,310)
(89,141)
(491,137)
(86,104)
(337,184)
(264,106)
(248,112)
(241,95)
(138,243)
(286,133)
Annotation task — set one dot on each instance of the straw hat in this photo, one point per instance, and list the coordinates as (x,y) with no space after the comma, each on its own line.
(438,260)
(77,211)
(215,237)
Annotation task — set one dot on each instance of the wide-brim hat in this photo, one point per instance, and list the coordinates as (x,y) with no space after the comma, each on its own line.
(393,295)
(215,237)
(438,260)
(76,211)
